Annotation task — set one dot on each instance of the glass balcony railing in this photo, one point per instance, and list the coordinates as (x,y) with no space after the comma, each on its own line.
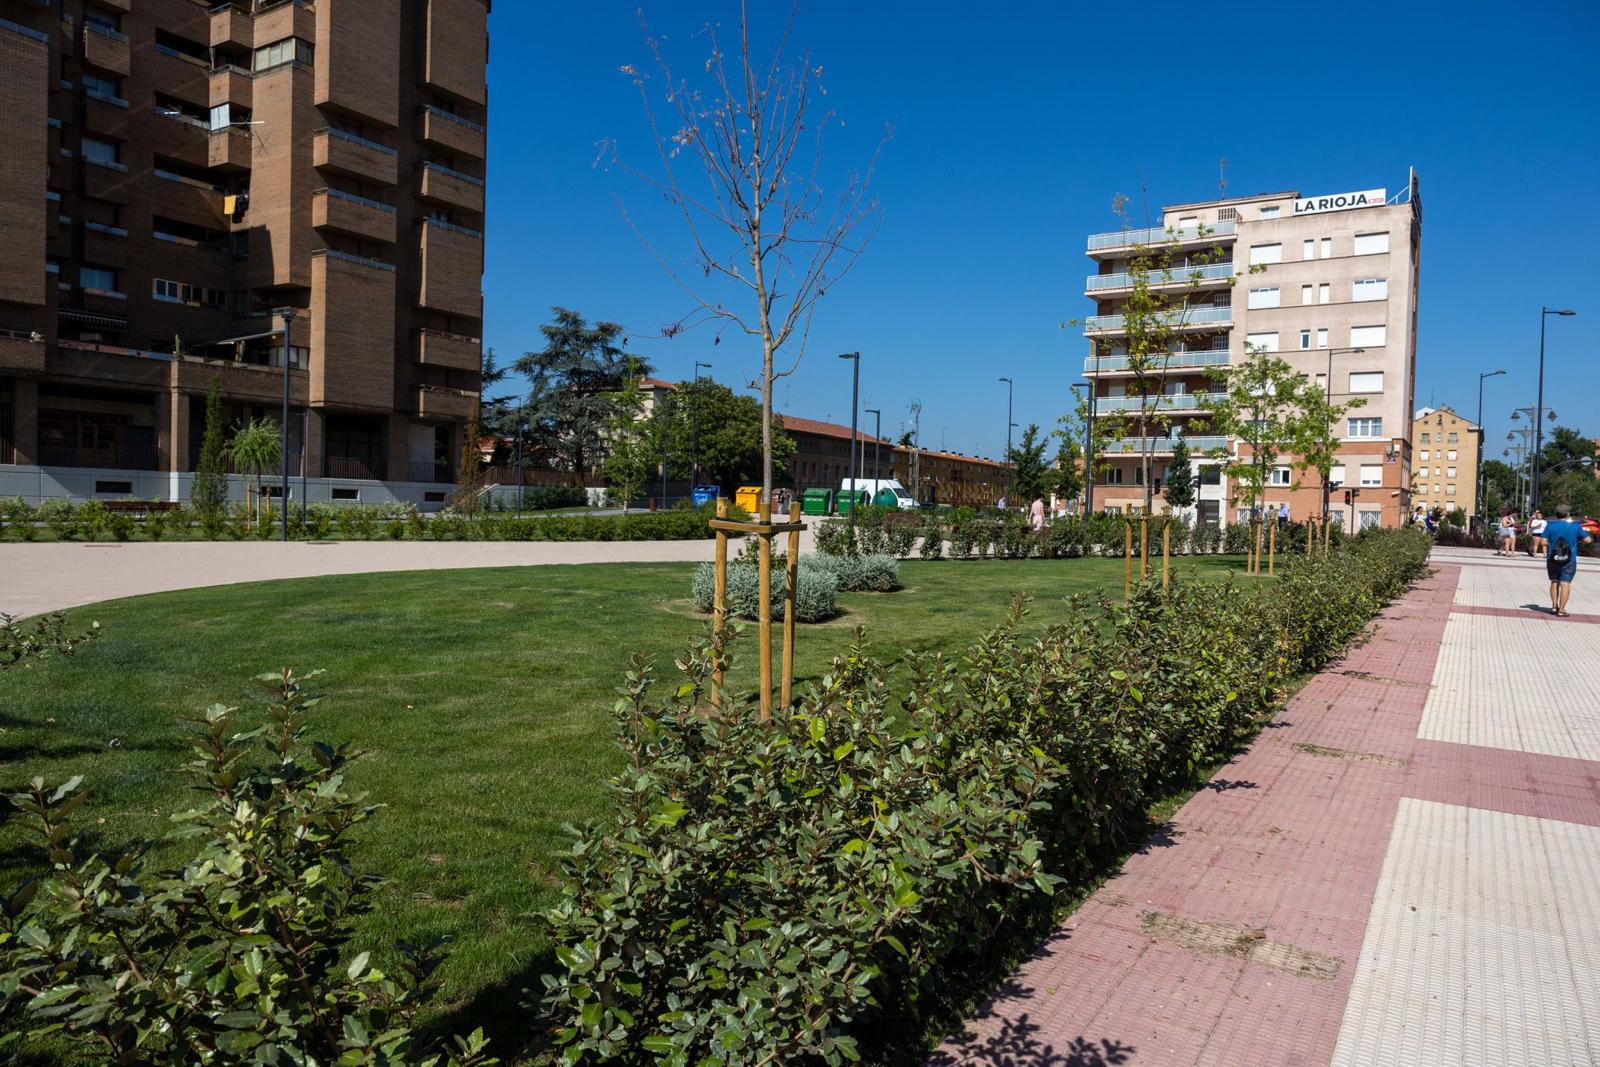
(1136,445)
(1179,318)
(1215,357)
(1169,402)
(1158,234)
(1208,272)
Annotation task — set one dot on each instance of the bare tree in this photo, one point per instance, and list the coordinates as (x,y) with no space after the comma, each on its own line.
(740,158)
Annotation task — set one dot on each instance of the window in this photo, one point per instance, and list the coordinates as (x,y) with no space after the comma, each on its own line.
(1114,476)
(1449,472)
(97,151)
(1305,339)
(346,494)
(1309,249)
(1425,453)
(1270,212)
(1370,289)
(1265,254)
(1366,428)
(103,20)
(1279,476)
(1336,474)
(1305,294)
(1327,247)
(1371,244)
(1453,438)
(1227,214)
(101,278)
(171,292)
(1371,475)
(280,53)
(1369,336)
(1322,338)
(1266,341)
(1266,297)
(106,88)
(1451,454)
(1371,520)
(1366,382)
(1425,441)
(1210,474)
(1449,490)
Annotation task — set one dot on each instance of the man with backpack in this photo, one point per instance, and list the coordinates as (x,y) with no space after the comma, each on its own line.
(1561,558)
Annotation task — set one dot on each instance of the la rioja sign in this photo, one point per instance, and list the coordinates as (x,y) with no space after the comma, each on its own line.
(1311,205)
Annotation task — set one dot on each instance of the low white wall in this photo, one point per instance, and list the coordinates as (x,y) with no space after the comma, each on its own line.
(37,484)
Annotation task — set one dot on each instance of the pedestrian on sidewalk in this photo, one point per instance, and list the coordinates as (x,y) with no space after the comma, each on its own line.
(1036,514)
(1561,562)
(1508,534)
(1536,527)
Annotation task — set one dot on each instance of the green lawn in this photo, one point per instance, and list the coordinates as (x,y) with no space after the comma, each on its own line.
(482,697)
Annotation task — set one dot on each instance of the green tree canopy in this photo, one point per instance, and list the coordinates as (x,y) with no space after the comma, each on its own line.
(699,418)
(210,492)
(1066,477)
(1029,471)
(1179,488)
(575,381)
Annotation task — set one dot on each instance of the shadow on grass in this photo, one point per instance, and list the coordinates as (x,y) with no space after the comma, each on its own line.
(508,1012)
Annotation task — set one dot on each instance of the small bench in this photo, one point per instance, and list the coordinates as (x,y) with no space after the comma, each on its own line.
(140,506)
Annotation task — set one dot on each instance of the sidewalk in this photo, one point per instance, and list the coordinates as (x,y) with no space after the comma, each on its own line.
(1404,869)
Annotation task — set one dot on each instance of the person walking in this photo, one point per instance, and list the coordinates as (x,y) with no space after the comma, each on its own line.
(1561,560)
(1036,514)
(1508,534)
(1536,527)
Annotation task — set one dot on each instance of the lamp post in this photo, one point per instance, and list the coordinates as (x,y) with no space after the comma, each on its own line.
(1538,414)
(1088,436)
(1477,499)
(288,325)
(855,406)
(877,433)
(694,429)
(1010,387)
(666,432)
(1327,405)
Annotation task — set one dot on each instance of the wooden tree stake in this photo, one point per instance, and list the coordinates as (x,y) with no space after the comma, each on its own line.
(1166,546)
(719,603)
(1144,544)
(1127,557)
(791,583)
(1272,548)
(765,585)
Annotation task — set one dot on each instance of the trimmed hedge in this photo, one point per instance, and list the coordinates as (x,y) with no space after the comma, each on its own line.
(815,592)
(789,891)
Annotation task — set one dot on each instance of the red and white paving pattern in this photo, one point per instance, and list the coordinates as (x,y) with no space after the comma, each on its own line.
(1403,870)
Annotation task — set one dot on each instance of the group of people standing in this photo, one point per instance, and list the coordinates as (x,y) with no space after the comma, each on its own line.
(1557,540)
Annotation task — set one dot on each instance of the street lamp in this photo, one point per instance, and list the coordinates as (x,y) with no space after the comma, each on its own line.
(877,431)
(1088,438)
(694,429)
(288,325)
(1538,419)
(1010,387)
(1327,404)
(855,403)
(1477,501)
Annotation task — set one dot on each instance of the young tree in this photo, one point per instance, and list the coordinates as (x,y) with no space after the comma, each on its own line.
(465,497)
(209,494)
(740,160)
(1499,487)
(257,448)
(1028,468)
(1066,476)
(1179,488)
(497,414)
(575,380)
(1318,446)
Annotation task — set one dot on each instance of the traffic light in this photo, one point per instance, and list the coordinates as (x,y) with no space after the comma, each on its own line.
(1347,496)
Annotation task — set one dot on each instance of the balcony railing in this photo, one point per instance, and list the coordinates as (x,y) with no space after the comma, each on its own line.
(1158,234)
(1166,402)
(1167,276)
(1216,357)
(347,467)
(430,472)
(450,116)
(113,457)
(1178,318)
(1137,445)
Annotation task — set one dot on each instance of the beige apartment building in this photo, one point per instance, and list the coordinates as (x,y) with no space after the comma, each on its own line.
(179,172)
(1445,451)
(1334,293)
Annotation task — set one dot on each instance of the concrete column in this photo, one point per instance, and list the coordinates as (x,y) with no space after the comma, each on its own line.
(398,433)
(313,442)
(172,428)
(25,429)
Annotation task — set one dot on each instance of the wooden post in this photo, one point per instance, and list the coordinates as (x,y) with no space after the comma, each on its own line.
(1144,544)
(1127,557)
(791,583)
(1326,539)
(765,584)
(1166,546)
(719,603)
(1311,535)
(1272,547)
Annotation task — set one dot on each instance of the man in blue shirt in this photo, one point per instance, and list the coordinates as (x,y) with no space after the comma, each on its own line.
(1561,556)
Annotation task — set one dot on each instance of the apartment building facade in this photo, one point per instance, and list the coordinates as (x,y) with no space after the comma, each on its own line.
(822,459)
(183,177)
(1446,448)
(1333,293)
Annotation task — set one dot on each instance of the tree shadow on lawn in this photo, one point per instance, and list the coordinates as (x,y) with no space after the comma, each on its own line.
(509,1013)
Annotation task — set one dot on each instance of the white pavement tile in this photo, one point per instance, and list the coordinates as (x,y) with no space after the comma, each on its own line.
(1520,684)
(1483,946)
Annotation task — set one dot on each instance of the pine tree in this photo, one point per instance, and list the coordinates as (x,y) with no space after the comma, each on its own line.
(1179,486)
(209,495)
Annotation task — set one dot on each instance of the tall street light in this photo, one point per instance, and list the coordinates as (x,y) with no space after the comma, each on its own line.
(1010,386)
(1477,501)
(877,431)
(1327,405)
(288,325)
(694,429)
(1538,414)
(1088,437)
(855,406)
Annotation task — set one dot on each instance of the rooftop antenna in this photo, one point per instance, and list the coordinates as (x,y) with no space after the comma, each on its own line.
(1222,176)
(1144,192)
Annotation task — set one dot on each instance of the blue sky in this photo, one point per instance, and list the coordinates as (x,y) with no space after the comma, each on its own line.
(1015,124)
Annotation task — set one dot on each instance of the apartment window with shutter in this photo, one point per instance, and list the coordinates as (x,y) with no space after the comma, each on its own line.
(1449,472)
(1366,382)
(1308,249)
(101,278)
(1371,474)
(101,151)
(1450,454)
(1322,338)
(1305,339)
(1452,438)
(1270,212)
(1370,244)
(1260,254)
(1324,293)
(1227,214)
(1366,428)
(1280,476)
(1306,294)
(1370,289)
(1369,336)
(1327,247)
(1265,297)
(1267,342)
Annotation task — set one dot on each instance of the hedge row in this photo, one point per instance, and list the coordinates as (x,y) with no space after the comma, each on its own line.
(820,580)
(794,890)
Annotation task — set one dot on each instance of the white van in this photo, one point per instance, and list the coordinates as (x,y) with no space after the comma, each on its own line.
(886,492)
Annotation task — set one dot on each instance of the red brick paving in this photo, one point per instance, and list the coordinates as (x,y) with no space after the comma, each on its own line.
(1288,844)
(1519,613)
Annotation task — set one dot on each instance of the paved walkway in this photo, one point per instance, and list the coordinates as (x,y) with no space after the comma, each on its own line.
(1403,870)
(36,578)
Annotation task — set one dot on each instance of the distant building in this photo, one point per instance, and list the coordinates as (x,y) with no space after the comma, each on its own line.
(1445,448)
(822,458)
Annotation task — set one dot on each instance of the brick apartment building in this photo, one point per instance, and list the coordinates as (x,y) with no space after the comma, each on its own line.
(1445,448)
(822,458)
(1334,295)
(177,172)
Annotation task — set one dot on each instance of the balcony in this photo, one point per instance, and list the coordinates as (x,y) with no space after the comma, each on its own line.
(229,149)
(435,348)
(348,467)
(452,271)
(1102,242)
(187,200)
(231,85)
(452,132)
(452,187)
(231,27)
(1200,277)
(438,473)
(105,49)
(19,352)
(1187,318)
(1165,403)
(1216,357)
(185,77)
(179,137)
(123,457)
(345,153)
(123,6)
(439,402)
(1159,446)
(341,212)
(456,48)
(106,181)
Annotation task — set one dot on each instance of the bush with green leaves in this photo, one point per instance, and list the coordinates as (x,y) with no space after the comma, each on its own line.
(1236,538)
(902,535)
(21,645)
(787,891)
(963,536)
(545,497)
(932,534)
(834,538)
(815,593)
(239,956)
(857,574)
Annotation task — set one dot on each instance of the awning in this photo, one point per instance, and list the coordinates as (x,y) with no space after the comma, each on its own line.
(89,318)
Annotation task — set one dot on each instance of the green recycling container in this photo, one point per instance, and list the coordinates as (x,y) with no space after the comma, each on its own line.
(817,501)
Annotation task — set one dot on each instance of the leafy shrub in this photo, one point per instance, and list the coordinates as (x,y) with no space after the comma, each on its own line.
(1236,538)
(239,955)
(902,536)
(56,514)
(1014,539)
(872,537)
(544,497)
(46,636)
(932,535)
(963,537)
(833,538)
(854,574)
(815,592)
(1207,538)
